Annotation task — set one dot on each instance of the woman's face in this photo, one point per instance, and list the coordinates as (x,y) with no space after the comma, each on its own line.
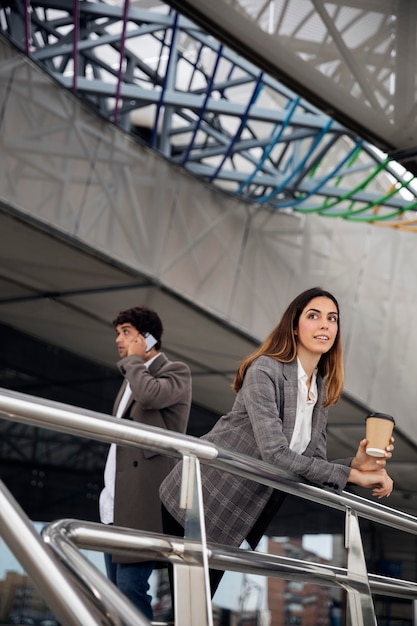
(317,327)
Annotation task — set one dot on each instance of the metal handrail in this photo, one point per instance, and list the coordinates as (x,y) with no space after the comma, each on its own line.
(50,576)
(124,541)
(66,418)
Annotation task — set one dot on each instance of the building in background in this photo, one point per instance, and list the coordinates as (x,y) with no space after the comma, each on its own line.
(300,603)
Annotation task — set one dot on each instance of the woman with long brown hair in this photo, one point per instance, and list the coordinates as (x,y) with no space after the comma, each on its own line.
(284,390)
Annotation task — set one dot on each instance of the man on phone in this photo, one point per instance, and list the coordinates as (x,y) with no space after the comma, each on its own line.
(157,392)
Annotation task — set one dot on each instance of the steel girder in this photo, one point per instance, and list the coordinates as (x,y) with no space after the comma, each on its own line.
(354,58)
(159,76)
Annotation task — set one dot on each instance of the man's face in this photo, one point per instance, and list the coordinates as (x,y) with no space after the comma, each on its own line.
(125,334)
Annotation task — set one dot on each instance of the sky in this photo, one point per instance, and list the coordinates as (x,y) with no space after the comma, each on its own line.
(9,563)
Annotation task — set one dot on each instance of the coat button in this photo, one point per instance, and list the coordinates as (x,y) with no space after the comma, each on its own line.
(135,463)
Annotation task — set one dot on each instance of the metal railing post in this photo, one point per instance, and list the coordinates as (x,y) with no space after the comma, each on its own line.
(360,607)
(192,597)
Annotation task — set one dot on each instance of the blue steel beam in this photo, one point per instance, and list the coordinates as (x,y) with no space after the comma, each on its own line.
(207,109)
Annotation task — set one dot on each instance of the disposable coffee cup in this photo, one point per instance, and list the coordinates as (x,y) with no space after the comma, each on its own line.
(379,427)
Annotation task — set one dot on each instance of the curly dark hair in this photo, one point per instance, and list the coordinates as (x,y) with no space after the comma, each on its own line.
(144,320)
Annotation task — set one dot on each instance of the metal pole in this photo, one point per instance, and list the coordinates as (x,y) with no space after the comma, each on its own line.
(360,607)
(191,581)
(48,575)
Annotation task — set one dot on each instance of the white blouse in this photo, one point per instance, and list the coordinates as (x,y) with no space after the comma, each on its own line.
(305,404)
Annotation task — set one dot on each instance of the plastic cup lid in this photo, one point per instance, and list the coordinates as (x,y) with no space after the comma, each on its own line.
(384,416)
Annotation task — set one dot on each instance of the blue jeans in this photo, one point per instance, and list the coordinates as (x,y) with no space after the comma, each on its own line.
(132,580)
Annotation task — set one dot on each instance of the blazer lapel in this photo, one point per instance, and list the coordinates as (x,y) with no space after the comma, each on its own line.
(318,417)
(289,398)
(290,374)
(119,397)
(154,367)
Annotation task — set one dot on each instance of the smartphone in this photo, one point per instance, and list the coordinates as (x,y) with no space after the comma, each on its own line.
(150,341)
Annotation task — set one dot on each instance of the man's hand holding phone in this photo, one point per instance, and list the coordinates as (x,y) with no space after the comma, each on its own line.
(150,341)
(141,345)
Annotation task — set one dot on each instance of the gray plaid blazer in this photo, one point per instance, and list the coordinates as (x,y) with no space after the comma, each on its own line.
(260,425)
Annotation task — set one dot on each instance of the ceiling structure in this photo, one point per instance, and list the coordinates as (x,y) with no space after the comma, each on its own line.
(233,123)
(229,121)
(158,75)
(354,60)
(72,318)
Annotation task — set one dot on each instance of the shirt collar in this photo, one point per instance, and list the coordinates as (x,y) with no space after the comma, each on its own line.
(147,364)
